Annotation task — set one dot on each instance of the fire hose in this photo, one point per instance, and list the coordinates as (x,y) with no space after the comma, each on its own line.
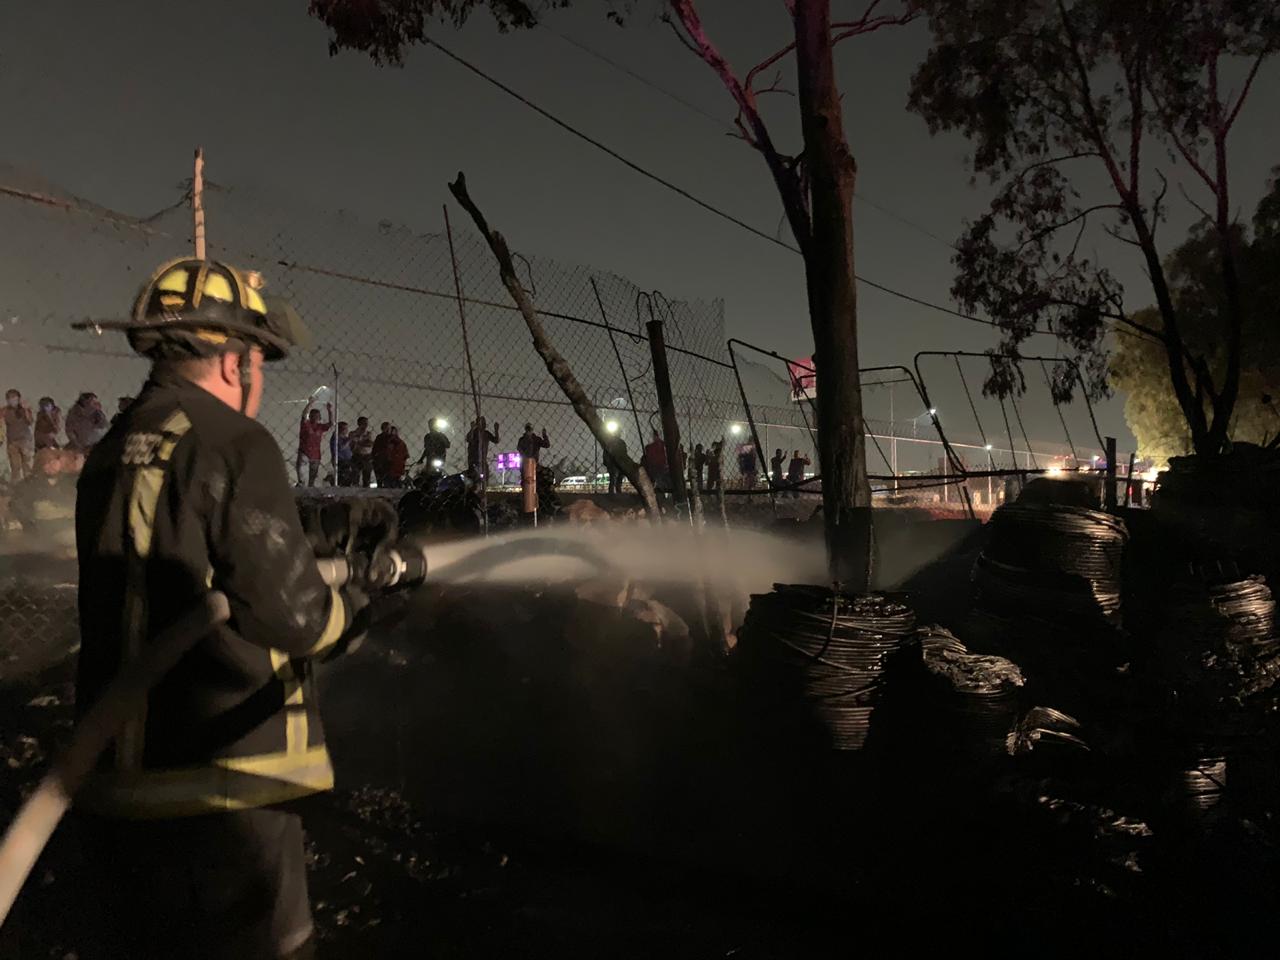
(394,567)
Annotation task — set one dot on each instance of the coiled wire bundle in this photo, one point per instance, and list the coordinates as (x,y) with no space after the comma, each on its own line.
(977,698)
(1054,559)
(825,656)
(1220,657)
(1200,785)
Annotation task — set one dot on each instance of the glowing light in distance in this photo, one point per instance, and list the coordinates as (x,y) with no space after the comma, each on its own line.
(611,426)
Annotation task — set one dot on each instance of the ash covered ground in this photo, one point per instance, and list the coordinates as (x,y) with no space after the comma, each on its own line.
(520,775)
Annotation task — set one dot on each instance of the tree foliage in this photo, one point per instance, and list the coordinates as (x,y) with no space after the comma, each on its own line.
(1059,95)
(385,28)
(1138,364)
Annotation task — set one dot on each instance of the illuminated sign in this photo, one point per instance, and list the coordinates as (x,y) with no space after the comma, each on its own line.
(804,379)
(507,461)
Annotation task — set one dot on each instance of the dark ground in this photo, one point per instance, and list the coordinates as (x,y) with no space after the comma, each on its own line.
(516,782)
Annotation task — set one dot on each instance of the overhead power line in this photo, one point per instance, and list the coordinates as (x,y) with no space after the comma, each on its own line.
(675,188)
(719,124)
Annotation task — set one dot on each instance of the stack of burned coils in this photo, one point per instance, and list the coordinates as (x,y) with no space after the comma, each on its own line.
(824,659)
(1217,659)
(975,699)
(1053,561)
(1047,594)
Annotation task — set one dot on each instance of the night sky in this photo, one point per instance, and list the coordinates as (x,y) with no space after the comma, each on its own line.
(109,99)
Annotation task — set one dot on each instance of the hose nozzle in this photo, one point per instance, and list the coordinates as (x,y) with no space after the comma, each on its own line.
(395,567)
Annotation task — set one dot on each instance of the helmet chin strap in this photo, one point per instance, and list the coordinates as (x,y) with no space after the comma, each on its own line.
(245,381)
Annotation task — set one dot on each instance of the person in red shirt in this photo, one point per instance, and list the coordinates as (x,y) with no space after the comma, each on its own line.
(397,457)
(655,462)
(310,432)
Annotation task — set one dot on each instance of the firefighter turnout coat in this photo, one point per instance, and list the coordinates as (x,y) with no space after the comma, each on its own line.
(182,495)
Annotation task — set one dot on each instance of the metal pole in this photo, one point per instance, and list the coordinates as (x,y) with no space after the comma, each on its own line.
(666,404)
(893,444)
(1128,479)
(471,373)
(755,435)
(626,381)
(1110,492)
(334,418)
(197,203)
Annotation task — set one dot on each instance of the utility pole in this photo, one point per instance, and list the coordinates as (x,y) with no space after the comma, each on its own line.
(667,406)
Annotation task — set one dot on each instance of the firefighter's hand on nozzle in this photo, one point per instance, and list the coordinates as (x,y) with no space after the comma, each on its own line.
(357,603)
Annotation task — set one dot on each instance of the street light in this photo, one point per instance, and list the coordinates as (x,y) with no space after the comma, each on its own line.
(611,426)
(991,464)
(915,421)
(442,423)
(735,429)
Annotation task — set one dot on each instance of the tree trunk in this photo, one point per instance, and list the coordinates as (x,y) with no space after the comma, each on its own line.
(833,305)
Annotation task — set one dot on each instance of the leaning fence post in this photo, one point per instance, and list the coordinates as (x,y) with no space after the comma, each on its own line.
(471,374)
(667,405)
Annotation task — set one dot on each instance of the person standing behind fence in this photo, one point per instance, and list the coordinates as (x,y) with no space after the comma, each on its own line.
(747,465)
(310,432)
(795,472)
(478,440)
(397,458)
(19,435)
(378,454)
(776,462)
(48,424)
(340,450)
(699,464)
(362,452)
(655,462)
(435,446)
(530,444)
(86,423)
(715,459)
(614,448)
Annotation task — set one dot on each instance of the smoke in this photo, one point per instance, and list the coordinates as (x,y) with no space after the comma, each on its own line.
(737,560)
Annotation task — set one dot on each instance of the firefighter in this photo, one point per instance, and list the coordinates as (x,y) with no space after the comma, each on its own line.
(187,823)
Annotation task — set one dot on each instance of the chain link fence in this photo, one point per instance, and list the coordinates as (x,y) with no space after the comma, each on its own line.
(392,313)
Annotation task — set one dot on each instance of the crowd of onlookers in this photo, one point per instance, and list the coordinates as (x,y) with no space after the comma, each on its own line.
(27,432)
(705,467)
(363,457)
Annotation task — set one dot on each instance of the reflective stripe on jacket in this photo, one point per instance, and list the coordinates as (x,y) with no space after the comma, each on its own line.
(182,495)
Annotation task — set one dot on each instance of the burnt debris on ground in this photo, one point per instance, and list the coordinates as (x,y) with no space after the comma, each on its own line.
(525,770)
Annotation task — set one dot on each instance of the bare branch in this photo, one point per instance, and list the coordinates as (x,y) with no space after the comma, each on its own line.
(872,26)
(775,87)
(866,16)
(1115,234)
(1052,160)
(1186,196)
(749,118)
(556,364)
(684,41)
(1248,82)
(765,64)
(1193,160)
(1053,227)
